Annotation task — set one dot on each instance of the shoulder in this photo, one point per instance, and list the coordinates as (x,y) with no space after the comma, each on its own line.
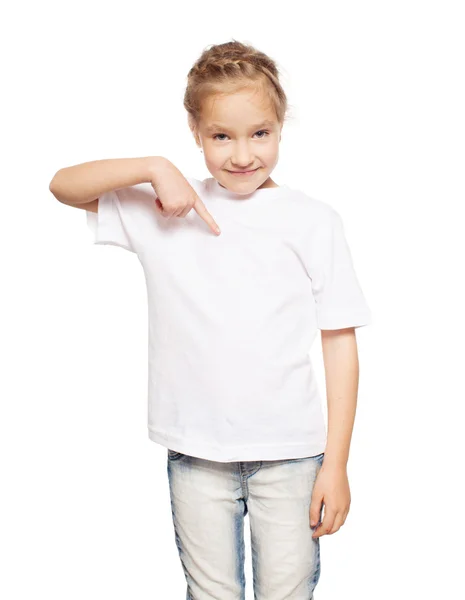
(316,214)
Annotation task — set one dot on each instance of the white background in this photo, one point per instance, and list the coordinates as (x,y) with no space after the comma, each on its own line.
(377,131)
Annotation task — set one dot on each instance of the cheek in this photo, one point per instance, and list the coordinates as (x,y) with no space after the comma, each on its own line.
(272,154)
(215,158)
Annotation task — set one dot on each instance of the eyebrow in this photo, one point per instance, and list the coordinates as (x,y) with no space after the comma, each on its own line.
(216,126)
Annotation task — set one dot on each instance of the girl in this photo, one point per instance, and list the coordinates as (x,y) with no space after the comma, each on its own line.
(232,315)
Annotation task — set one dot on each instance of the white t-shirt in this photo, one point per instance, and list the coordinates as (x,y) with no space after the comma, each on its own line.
(232,317)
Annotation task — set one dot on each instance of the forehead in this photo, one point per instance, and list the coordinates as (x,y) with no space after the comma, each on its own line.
(242,110)
(213,126)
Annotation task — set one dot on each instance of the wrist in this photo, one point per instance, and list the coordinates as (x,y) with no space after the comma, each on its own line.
(155,166)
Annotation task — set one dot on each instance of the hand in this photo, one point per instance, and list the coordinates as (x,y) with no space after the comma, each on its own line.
(332,488)
(176,197)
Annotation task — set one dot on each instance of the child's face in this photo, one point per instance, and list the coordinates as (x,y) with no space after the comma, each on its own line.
(234,137)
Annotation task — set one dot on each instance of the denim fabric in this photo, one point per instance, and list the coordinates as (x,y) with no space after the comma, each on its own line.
(209,501)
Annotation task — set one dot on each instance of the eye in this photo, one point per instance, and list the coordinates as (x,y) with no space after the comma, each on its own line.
(261,137)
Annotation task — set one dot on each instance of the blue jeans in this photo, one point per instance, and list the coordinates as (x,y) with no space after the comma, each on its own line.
(209,501)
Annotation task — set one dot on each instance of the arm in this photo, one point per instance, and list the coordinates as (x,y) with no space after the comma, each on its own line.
(332,486)
(342,374)
(86,182)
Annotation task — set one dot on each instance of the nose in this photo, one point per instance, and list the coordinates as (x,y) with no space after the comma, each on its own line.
(242,156)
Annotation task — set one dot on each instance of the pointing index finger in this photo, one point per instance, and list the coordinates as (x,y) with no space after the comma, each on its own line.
(202,211)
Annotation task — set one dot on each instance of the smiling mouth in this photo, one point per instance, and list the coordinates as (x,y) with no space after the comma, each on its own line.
(243,172)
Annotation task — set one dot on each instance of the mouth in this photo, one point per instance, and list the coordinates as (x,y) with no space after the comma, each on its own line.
(243,173)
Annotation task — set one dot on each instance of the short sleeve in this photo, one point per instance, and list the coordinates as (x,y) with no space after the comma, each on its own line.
(339,299)
(107,224)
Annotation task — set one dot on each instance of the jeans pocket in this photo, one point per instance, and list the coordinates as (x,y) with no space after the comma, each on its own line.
(173,455)
(319,458)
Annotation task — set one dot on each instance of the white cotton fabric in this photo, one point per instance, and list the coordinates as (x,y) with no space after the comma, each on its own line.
(232,318)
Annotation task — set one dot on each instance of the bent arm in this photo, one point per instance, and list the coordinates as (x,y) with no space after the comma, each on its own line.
(86,182)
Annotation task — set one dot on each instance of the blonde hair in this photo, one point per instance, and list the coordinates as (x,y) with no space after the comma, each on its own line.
(228,68)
